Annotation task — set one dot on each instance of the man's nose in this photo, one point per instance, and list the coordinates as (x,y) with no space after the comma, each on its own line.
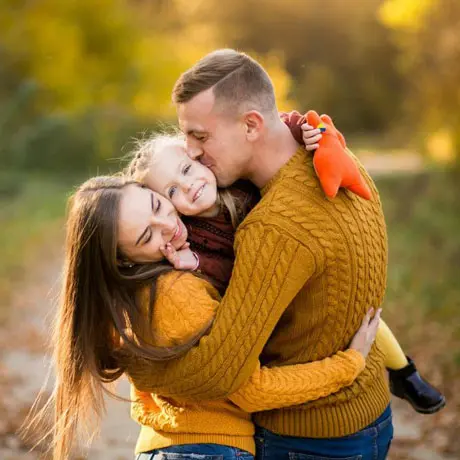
(194,151)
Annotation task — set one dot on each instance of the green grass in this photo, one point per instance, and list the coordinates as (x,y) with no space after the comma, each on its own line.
(32,210)
(423,296)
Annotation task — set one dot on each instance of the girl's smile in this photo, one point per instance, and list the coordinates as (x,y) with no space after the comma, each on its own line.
(190,186)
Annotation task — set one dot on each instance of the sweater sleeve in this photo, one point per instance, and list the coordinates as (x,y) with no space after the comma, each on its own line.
(175,322)
(277,387)
(270,269)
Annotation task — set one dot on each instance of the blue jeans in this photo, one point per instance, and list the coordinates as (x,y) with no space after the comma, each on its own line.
(371,443)
(196,452)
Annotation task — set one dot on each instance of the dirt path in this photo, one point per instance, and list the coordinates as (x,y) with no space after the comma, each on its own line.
(24,363)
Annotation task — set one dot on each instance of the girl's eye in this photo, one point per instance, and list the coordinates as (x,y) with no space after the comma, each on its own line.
(158,206)
(171,192)
(186,169)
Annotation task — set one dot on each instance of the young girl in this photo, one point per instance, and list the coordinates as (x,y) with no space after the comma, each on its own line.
(212,215)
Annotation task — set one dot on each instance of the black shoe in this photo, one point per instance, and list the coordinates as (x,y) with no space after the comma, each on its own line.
(406,383)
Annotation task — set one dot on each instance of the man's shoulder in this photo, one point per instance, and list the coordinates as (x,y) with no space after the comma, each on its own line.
(292,196)
(297,206)
(288,210)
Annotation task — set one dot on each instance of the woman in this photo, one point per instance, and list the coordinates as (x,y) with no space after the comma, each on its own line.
(114,313)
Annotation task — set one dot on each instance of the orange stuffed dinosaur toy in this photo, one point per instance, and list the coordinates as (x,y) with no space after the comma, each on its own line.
(334,166)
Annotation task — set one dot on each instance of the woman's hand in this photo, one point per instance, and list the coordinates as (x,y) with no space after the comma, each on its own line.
(364,338)
(310,136)
(181,259)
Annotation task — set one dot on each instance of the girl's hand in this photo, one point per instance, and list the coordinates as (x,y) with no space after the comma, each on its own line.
(365,336)
(310,136)
(182,259)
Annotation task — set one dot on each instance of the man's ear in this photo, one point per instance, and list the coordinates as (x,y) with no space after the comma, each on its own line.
(254,122)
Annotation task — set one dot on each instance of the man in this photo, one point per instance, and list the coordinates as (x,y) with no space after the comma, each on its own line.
(306,271)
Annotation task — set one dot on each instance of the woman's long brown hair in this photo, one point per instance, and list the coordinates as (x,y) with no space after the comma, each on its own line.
(99,319)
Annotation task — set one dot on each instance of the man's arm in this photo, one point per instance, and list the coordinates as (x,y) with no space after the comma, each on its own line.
(270,269)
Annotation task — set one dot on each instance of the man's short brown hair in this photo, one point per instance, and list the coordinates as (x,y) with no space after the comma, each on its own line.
(237,81)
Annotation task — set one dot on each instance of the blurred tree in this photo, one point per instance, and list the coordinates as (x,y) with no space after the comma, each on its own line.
(75,76)
(78,76)
(88,53)
(428,33)
(199,24)
(339,55)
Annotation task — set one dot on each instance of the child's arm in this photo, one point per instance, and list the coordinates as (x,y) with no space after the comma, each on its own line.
(334,166)
(302,132)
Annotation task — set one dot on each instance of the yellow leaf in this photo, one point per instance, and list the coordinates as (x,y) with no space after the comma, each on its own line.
(405,14)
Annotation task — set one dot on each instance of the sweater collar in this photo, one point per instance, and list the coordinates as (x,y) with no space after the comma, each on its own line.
(298,157)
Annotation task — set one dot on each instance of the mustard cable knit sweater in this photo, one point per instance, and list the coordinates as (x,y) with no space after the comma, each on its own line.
(306,271)
(167,421)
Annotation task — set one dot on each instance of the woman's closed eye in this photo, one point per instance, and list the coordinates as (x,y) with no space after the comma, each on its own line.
(186,169)
(145,237)
(147,234)
(149,237)
(155,206)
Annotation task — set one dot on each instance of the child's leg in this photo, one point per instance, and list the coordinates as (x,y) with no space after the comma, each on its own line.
(405,381)
(395,357)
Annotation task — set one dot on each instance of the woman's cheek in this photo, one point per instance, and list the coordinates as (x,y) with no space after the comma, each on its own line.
(155,254)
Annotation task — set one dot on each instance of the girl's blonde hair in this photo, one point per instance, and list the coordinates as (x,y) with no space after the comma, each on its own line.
(145,151)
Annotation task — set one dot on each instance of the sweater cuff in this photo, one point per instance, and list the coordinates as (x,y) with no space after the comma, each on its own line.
(356,358)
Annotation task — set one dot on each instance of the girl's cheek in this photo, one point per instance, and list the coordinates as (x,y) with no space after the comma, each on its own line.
(185,204)
(179,205)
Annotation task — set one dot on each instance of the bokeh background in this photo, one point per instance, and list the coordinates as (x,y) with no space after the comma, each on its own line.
(80,78)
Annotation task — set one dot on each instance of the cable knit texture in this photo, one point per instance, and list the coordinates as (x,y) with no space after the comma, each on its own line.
(306,270)
(167,421)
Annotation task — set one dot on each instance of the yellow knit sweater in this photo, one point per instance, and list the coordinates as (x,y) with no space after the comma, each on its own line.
(306,271)
(167,421)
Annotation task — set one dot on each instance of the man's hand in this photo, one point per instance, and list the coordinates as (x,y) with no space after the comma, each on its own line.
(311,136)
